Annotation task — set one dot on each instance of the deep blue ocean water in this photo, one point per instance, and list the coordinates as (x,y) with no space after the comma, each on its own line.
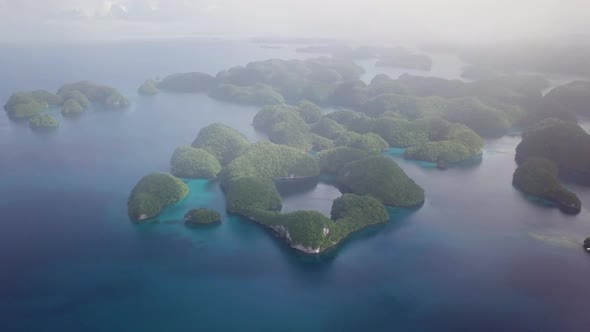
(478,256)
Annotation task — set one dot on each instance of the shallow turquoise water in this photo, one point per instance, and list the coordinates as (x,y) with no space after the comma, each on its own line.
(71,261)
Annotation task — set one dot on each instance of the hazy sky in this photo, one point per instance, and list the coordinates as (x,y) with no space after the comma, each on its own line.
(117,19)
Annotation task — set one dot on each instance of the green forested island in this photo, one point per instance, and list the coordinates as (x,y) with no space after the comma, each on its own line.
(249,174)
(73,99)
(43,122)
(27,104)
(202,216)
(109,98)
(271,161)
(189,162)
(539,177)
(149,88)
(433,119)
(152,193)
(564,143)
(386,56)
(71,108)
(382,178)
(570,98)
(490,106)
(223,142)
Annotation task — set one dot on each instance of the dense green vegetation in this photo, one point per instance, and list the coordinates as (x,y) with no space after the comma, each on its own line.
(483,119)
(288,133)
(408,106)
(24,110)
(26,104)
(284,125)
(296,80)
(270,116)
(259,94)
(573,97)
(46,98)
(249,179)
(71,108)
(320,143)
(246,195)
(187,82)
(306,231)
(43,122)
(564,143)
(201,216)
(450,143)
(352,212)
(350,94)
(312,232)
(189,162)
(76,96)
(148,88)
(368,142)
(222,141)
(309,111)
(328,128)
(333,160)
(152,193)
(381,178)
(490,106)
(400,133)
(442,151)
(539,177)
(108,97)
(343,117)
(271,161)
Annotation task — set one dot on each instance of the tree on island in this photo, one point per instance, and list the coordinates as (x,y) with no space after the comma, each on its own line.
(152,193)
(189,162)
(202,216)
(222,141)
(43,122)
(539,177)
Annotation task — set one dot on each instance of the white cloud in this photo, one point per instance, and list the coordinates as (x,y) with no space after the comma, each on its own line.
(472,19)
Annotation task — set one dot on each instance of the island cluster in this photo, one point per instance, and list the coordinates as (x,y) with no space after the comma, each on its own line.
(73,99)
(433,119)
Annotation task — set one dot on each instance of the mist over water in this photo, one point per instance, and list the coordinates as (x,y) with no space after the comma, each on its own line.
(472,258)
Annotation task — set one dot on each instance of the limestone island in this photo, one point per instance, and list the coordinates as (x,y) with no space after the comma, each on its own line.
(189,162)
(449,143)
(257,94)
(71,108)
(152,193)
(202,216)
(489,106)
(27,104)
(223,142)
(539,177)
(572,97)
(249,174)
(564,143)
(149,88)
(109,98)
(43,122)
(73,99)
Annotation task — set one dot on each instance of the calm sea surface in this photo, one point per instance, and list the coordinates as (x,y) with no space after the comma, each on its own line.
(478,256)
